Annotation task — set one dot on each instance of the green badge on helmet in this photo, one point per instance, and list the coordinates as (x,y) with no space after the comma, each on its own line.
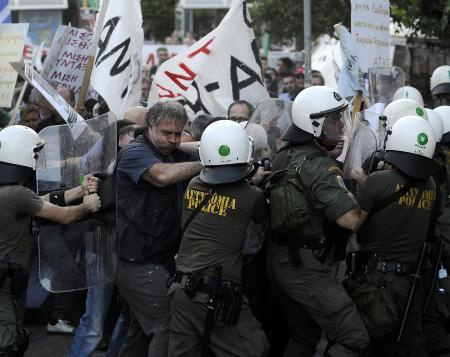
(422,139)
(420,112)
(224,150)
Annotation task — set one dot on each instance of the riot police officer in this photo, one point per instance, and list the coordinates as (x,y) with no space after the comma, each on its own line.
(208,309)
(398,205)
(309,202)
(440,86)
(19,150)
(437,309)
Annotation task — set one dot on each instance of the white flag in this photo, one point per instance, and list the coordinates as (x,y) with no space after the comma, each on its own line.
(350,77)
(222,67)
(116,75)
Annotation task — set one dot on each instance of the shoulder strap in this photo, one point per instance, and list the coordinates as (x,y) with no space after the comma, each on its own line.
(391,198)
(197,210)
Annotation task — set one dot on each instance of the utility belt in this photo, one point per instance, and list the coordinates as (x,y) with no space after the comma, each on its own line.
(229,294)
(318,244)
(368,262)
(17,276)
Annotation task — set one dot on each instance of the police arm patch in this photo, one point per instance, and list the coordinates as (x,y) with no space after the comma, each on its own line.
(334,169)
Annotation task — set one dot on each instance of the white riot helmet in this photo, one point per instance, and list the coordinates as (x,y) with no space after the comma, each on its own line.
(436,122)
(400,108)
(408,92)
(226,153)
(19,147)
(313,110)
(410,147)
(444,113)
(440,81)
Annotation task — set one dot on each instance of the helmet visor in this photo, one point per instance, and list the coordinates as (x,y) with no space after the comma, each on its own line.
(333,127)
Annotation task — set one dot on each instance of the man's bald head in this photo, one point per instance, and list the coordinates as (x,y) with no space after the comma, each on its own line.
(136,114)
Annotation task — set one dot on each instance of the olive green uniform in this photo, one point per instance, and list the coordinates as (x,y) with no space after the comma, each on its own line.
(18,205)
(312,297)
(393,238)
(215,237)
(437,316)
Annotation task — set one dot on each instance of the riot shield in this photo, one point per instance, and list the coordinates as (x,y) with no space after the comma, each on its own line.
(361,154)
(268,123)
(82,254)
(384,82)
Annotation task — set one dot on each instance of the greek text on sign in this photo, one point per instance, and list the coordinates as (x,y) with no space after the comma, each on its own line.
(67,60)
(12,40)
(370,30)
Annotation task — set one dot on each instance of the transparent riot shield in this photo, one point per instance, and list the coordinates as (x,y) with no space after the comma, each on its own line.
(268,123)
(82,254)
(361,154)
(383,83)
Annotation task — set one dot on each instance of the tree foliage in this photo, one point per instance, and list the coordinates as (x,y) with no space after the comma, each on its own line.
(159,18)
(429,17)
(284,19)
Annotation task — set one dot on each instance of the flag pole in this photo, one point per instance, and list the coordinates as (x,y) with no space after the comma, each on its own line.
(93,50)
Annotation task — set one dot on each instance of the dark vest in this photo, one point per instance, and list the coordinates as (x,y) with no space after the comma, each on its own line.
(149,217)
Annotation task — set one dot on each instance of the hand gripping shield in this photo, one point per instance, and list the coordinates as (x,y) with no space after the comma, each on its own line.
(82,254)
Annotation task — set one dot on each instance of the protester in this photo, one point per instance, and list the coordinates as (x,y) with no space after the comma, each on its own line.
(290,89)
(240,111)
(317,79)
(136,114)
(29,116)
(163,55)
(151,175)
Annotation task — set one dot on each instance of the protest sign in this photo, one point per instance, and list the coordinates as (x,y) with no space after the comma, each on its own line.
(12,39)
(67,59)
(51,95)
(116,74)
(370,30)
(222,67)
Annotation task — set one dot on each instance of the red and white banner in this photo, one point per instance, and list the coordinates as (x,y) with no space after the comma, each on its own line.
(220,68)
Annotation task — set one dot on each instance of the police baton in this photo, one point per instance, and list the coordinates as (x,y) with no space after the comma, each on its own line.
(412,290)
(211,306)
(435,274)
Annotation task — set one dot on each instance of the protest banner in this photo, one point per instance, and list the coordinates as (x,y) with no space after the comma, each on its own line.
(370,29)
(222,67)
(12,40)
(66,112)
(116,74)
(67,59)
